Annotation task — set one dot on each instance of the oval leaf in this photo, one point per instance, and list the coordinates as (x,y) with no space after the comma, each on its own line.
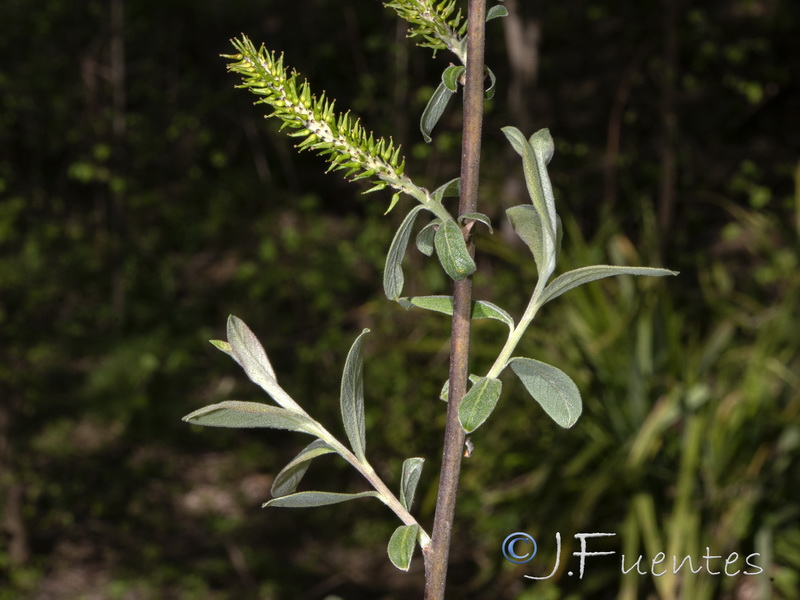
(572,279)
(495,12)
(445,393)
(412,469)
(434,111)
(393,279)
(551,388)
(479,403)
(236,414)
(309,499)
(289,478)
(402,544)
(452,250)
(352,397)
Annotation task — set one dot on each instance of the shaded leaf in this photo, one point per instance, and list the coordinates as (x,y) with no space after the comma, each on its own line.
(402,544)
(412,469)
(476,216)
(352,397)
(393,279)
(481,309)
(434,111)
(495,12)
(452,77)
(479,402)
(237,414)
(527,224)
(451,189)
(553,389)
(489,92)
(289,477)
(572,279)
(452,251)
(425,237)
(310,499)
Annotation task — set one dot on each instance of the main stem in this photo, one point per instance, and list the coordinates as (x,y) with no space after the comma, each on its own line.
(436,556)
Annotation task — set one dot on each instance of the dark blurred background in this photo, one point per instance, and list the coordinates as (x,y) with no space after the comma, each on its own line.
(143,199)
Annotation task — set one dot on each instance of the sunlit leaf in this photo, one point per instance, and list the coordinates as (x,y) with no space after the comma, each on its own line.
(393,278)
(572,279)
(402,544)
(237,414)
(289,477)
(412,469)
(310,499)
(250,354)
(479,403)
(352,397)
(434,110)
(527,224)
(445,393)
(495,12)
(452,251)
(553,389)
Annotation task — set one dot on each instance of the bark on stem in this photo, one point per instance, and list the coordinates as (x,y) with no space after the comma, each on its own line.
(436,557)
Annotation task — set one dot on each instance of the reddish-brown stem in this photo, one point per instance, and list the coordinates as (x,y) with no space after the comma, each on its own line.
(437,554)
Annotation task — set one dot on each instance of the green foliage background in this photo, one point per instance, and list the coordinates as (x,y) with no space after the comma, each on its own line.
(134,217)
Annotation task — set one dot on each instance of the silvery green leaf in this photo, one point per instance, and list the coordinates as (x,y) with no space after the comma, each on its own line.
(481,309)
(249,353)
(476,216)
(452,77)
(425,237)
(479,403)
(434,111)
(352,397)
(412,469)
(451,189)
(572,279)
(445,393)
(553,389)
(237,414)
(535,156)
(393,279)
(224,347)
(309,499)
(288,479)
(489,92)
(495,12)
(401,546)
(527,224)
(452,251)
